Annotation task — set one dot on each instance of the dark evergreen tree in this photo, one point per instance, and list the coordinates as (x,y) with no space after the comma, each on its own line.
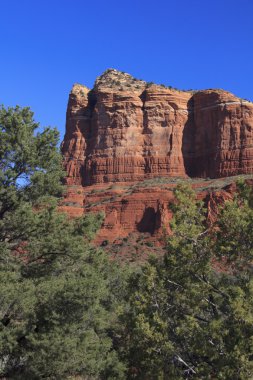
(185,318)
(55,287)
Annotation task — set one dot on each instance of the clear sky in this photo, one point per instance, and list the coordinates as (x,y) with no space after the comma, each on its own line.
(47,45)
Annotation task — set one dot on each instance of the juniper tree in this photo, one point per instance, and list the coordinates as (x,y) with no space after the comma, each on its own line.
(55,287)
(186,318)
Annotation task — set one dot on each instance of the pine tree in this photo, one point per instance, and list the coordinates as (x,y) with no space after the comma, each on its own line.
(55,287)
(185,318)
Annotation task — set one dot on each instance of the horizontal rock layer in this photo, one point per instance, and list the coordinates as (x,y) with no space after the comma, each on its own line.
(126,130)
(142,208)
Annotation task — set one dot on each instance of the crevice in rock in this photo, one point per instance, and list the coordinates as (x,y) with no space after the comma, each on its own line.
(188,142)
(92,100)
(147,223)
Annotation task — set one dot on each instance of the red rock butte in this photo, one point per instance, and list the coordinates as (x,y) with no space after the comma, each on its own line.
(129,142)
(126,129)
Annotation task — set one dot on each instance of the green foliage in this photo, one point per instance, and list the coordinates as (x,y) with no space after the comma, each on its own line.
(185,319)
(30,164)
(56,302)
(57,299)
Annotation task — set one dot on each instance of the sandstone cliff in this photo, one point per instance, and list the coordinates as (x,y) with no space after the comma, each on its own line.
(126,130)
(129,142)
(143,207)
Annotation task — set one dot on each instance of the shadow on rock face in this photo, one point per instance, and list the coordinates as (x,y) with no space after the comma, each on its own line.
(147,223)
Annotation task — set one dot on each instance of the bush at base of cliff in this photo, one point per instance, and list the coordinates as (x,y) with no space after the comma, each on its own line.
(190,315)
(55,287)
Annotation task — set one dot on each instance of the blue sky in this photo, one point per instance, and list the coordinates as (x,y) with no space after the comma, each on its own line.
(46,46)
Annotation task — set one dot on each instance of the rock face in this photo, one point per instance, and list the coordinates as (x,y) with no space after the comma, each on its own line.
(126,130)
(128,142)
(143,207)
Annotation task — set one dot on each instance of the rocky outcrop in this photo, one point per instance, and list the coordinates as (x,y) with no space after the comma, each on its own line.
(222,135)
(143,207)
(128,142)
(126,130)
